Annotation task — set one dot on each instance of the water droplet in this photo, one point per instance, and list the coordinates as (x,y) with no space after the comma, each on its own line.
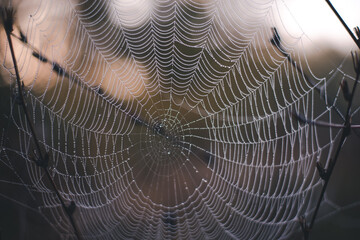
(169,153)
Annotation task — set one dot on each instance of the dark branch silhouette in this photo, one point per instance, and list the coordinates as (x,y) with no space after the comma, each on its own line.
(42,160)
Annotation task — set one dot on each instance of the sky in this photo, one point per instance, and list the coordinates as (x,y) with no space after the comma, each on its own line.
(318,21)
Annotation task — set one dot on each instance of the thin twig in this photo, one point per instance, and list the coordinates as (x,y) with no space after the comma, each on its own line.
(276,41)
(7,18)
(325,174)
(357,42)
(61,71)
(318,123)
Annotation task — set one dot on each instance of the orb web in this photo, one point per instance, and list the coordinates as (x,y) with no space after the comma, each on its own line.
(169,119)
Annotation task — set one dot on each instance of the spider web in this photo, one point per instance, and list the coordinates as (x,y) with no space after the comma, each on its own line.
(167,119)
